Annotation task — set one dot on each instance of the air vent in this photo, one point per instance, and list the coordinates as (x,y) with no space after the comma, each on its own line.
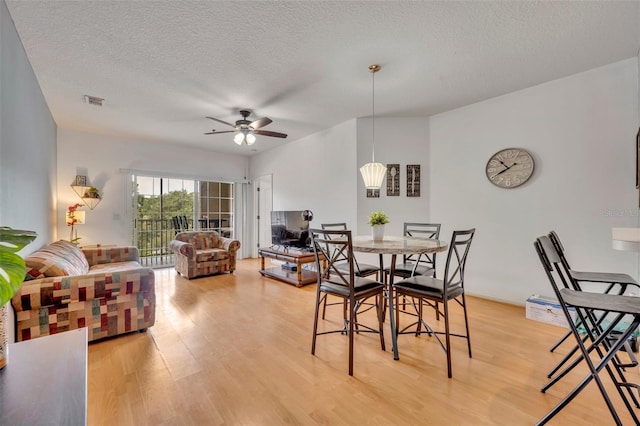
(92,100)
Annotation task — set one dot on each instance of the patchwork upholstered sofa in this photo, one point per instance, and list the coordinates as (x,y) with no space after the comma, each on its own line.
(199,253)
(103,289)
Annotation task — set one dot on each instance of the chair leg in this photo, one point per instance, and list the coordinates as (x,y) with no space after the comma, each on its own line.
(324,306)
(315,323)
(593,375)
(379,303)
(352,309)
(397,314)
(447,337)
(466,323)
(419,327)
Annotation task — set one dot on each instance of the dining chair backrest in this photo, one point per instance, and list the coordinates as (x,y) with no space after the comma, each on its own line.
(457,259)
(342,226)
(422,230)
(334,247)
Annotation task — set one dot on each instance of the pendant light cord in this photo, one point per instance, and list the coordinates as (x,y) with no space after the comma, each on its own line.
(373,117)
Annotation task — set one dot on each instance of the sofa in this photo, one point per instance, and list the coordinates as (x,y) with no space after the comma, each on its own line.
(103,289)
(200,253)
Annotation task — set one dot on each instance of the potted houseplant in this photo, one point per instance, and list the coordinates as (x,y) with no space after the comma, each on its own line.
(92,192)
(12,273)
(377,220)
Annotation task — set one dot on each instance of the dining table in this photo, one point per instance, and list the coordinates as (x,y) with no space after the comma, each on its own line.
(394,246)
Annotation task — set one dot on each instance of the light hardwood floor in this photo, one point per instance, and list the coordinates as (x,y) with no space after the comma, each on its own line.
(235,350)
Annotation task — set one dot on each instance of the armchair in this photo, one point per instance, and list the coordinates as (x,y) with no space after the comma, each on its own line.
(199,253)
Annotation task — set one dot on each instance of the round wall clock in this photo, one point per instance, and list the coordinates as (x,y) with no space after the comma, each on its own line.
(510,167)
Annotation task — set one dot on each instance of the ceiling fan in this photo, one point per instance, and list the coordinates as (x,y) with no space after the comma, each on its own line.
(246,130)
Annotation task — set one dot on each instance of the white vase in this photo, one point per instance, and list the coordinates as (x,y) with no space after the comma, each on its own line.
(377,232)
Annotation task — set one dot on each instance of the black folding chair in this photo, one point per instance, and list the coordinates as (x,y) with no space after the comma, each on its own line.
(615,283)
(589,308)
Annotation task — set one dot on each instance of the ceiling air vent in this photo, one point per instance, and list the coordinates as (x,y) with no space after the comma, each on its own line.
(92,100)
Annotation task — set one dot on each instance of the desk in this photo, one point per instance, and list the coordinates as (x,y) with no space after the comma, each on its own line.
(395,246)
(45,381)
(299,277)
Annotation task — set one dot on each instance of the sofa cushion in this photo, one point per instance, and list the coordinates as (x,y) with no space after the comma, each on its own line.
(207,255)
(105,268)
(57,259)
(206,240)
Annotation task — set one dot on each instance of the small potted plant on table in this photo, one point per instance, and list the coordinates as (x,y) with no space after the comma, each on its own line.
(377,220)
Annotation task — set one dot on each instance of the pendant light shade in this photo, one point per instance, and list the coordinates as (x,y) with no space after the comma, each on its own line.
(373,173)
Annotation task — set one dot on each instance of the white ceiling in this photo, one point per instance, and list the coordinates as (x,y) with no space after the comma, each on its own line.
(162,66)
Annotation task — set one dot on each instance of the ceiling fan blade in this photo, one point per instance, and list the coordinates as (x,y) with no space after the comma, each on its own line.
(260,123)
(217,133)
(220,121)
(268,133)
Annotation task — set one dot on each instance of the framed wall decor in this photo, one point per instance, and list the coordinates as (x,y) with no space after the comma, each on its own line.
(80,181)
(373,193)
(393,180)
(413,180)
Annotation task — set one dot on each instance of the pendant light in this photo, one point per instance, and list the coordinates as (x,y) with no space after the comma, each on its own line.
(373,173)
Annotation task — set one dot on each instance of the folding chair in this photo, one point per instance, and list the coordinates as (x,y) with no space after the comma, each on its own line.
(600,335)
(616,283)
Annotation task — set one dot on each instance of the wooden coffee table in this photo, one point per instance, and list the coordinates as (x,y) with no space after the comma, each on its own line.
(300,276)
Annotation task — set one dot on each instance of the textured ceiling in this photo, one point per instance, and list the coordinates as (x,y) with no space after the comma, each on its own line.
(162,66)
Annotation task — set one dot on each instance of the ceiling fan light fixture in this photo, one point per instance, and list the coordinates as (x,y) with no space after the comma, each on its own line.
(245,130)
(239,138)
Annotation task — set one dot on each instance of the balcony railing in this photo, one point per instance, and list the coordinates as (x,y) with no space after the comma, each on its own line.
(152,239)
(154,235)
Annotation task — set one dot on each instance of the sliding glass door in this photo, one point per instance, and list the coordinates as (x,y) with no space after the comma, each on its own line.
(164,206)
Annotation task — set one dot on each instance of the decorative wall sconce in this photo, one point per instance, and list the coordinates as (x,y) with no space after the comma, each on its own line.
(90,195)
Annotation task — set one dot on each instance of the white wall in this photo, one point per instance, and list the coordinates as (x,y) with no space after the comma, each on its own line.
(581,132)
(317,172)
(398,141)
(27,143)
(101,159)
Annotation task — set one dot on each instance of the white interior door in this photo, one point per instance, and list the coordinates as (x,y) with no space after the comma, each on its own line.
(263,197)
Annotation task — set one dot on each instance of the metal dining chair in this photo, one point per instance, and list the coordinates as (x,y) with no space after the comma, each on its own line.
(360,269)
(420,264)
(333,246)
(424,290)
(423,264)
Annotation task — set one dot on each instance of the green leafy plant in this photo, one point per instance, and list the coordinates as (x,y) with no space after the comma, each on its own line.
(12,267)
(378,218)
(92,192)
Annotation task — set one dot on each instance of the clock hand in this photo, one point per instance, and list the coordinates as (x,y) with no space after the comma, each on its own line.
(501,172)
(515,157)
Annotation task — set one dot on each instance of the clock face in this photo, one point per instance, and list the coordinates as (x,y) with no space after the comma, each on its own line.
(510,167)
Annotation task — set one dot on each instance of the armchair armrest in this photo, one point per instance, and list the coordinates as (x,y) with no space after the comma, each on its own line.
(229,244)
(98,255)
(182,248)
